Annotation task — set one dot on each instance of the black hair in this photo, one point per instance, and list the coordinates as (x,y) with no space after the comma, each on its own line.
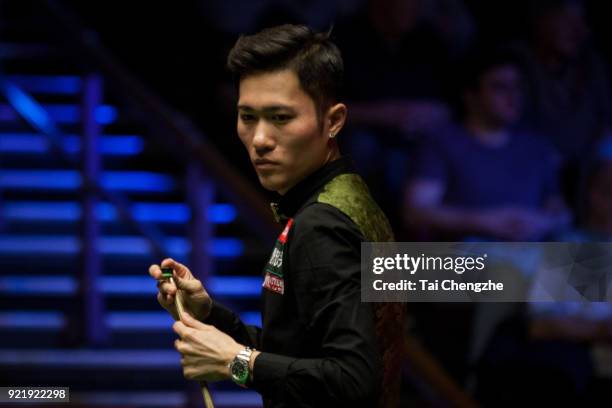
(311,55)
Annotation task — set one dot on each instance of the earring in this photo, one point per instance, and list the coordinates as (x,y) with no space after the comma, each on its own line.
(331,135)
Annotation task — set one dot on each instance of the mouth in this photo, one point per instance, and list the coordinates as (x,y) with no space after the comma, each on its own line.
(264,163)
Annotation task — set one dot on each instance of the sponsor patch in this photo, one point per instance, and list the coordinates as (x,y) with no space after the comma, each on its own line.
(274,268)
(274,283)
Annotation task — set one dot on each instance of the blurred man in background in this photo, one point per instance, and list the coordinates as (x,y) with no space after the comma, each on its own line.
(483,177)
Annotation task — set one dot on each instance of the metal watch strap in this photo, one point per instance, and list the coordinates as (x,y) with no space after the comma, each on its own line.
(245,354)
(242,359)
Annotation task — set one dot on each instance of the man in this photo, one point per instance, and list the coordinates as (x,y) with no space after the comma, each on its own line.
(319,345)
(480,179)
(483,177)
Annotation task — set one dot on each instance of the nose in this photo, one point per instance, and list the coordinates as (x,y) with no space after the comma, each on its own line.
(263,140)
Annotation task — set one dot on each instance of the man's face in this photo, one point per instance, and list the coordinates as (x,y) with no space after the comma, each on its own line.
(278,125)
(564,30)
(499,95)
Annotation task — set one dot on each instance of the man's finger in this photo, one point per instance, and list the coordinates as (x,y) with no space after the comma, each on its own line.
(155,272)
(180,269)
(188,285)
(193,323)
(166,287)
(185,348)
(180,329)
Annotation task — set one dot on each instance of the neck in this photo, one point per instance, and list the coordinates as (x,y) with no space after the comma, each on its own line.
(486,132)
(333,154)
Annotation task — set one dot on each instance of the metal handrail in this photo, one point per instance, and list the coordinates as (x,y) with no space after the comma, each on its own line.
(194,145)
(48,128)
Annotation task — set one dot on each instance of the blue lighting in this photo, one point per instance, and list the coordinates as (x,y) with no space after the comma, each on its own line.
(32,320)
(43,179)
(71,179)
(137,181)
(125,320)
(226,247)
(146,212)
(222,213)
(112,245)
(117,145)
(56,84)
(23,143)
(235,286)
(251,318)
(91,359)
(105,114)
(52,285)
(139,321)
(41,115)
(135,285)
(29,108)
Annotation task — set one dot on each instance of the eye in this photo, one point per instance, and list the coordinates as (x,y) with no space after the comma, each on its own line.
(281,118)
(247,117)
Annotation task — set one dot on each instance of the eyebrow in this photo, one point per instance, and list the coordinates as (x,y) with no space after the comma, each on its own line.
(267,109)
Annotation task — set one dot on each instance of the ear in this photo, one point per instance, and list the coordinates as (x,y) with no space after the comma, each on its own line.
(335,119)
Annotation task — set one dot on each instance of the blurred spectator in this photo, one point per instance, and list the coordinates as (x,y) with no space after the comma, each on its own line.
(568,87)
(599,216)
(394,84)
(483,177)
(394,65)
(596,222)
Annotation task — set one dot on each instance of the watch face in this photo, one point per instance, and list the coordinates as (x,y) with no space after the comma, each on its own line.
(240,371)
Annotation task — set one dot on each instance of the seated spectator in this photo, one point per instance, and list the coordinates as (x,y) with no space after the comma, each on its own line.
(394,81)
(398,63)
(568,86)
(484,177)
(596,217)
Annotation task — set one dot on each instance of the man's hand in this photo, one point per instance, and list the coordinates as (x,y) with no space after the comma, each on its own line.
(205,351)
(195,298)
(516,224)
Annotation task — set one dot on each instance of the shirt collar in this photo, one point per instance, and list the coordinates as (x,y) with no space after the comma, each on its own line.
(293,200)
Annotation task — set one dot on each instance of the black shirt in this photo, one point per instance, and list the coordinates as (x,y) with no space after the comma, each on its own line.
(319,344)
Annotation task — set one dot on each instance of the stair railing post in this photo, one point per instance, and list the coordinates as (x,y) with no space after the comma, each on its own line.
(93,323)
(200,196)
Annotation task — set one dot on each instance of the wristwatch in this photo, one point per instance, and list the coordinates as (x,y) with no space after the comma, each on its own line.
(239,367)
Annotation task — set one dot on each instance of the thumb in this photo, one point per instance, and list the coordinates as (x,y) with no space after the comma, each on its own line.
(178,267)
(191,322)
(187,285)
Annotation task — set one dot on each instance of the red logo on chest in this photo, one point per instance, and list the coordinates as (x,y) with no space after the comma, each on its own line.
(274,283)
(273,280)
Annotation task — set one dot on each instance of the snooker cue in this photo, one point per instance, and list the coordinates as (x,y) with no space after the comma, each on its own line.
(178,301)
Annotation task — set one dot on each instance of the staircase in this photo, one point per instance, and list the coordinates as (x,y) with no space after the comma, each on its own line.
(89,198)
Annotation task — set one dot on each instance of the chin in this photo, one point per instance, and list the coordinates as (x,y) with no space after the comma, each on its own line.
(269,184)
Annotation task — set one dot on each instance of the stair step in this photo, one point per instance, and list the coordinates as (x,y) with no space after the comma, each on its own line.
(47,84)
(112,246)
(134,181)
(168,398)
(134,285)
(221,399)
(119,321)
(37,144)
(91,359)
(70,211)
(62,113)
